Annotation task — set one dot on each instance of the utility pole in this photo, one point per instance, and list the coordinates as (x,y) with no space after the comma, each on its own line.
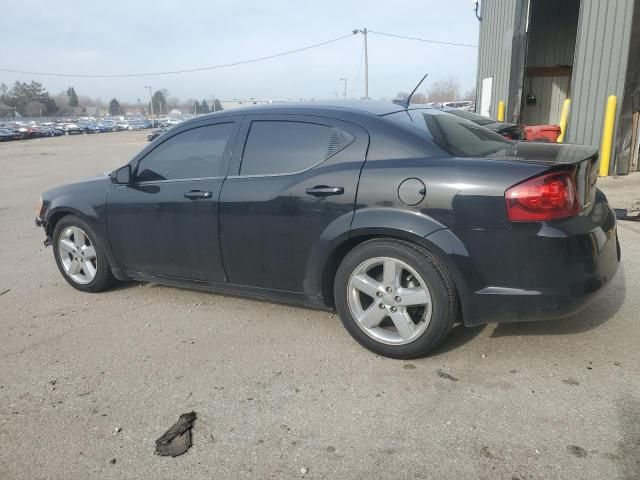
(345,87)
(151,103)
(366,61)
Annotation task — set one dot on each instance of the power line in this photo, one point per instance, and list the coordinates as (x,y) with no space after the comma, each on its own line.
(174,72)
(423,39)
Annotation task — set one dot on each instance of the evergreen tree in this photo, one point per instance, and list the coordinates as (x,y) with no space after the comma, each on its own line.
(159,103)
(114,107)
(204,107)
(196,108)
(73,98)
(23,94)
(217,106)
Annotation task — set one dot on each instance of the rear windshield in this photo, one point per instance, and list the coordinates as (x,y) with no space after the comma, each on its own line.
(456,136)
(472,117)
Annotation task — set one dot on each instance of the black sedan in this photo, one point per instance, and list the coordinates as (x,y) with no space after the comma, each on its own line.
(406,221)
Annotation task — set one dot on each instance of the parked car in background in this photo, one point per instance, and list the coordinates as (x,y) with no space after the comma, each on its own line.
(407,221)
(106,126)
(135,125)
(89,127)
(156,133)
(73,129)
(18,134)
(6,135)
(468,105)
(507,130)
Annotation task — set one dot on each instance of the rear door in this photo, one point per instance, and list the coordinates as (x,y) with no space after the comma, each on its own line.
(292,177)
(166,222)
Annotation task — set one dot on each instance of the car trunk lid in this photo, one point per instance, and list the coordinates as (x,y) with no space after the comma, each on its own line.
(583,158)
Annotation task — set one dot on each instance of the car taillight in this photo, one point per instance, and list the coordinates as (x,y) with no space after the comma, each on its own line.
(547,197)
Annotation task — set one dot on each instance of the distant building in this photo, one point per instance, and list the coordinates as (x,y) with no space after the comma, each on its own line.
(534,54)
(6,111)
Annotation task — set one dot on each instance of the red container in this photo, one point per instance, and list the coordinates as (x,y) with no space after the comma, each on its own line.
(542,133)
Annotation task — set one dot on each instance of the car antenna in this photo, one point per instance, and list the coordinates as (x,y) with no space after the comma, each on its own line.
(406,101)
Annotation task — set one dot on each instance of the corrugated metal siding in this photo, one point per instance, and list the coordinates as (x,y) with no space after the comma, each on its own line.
(552,41)
(599,66)
(494,54)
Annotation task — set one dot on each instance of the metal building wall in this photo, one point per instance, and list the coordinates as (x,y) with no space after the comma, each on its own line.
(600,65)
(495,47)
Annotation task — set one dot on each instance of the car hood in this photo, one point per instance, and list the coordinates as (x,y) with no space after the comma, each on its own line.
(96,183)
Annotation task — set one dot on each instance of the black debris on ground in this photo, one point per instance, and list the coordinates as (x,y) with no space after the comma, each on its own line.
(632,213)
(577,451)
(443,374)
(177,439)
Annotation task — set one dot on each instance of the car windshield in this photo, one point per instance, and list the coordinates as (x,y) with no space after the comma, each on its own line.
(472,117)
(456,136)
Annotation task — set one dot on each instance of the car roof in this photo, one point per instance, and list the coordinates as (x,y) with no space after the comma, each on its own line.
(372,107)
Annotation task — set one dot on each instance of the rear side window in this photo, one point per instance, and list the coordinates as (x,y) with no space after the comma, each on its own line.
(195,153)
(281,147)
(456,136)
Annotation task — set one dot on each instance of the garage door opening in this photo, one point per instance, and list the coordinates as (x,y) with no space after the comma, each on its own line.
(550,50)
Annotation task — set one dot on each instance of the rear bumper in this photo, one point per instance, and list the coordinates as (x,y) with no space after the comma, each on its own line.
(539,271)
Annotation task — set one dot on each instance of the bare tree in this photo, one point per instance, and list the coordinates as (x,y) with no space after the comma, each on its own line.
(444,90)
(469,94)
(419,98)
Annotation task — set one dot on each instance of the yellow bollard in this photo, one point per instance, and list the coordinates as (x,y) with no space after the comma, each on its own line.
(564,117)
(607,135)
(501,111)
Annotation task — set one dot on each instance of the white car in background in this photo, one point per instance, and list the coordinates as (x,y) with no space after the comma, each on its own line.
(468,105)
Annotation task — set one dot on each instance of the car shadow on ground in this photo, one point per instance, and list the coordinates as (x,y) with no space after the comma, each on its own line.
(599,311)
(457,337)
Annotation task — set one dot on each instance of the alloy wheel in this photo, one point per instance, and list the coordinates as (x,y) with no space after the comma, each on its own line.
(389,300)
(77,255)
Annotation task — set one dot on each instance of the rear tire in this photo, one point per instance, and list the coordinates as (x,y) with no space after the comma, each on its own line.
(80,255)
(395,298)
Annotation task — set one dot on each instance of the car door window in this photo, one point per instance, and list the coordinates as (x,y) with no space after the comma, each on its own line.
(281,147)
(195,153)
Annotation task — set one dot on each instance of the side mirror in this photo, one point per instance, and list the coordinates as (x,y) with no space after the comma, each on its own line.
(122,176)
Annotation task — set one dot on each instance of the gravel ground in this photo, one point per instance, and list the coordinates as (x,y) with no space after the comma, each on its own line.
(88,382)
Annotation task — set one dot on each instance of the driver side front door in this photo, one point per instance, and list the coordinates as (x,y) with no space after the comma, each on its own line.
(166,222)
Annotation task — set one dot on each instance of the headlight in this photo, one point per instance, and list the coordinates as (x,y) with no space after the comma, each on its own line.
(39,207)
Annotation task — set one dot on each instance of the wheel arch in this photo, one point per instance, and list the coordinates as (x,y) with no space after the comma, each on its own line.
(442,244)
(341,249)
(55,215)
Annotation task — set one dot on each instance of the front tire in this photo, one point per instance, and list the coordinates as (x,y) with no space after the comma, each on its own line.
(80,256)
(395,298)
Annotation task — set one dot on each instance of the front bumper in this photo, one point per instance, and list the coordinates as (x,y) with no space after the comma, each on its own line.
(41,223)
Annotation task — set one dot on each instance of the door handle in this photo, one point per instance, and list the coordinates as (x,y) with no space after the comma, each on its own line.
(324,191)
(197,194)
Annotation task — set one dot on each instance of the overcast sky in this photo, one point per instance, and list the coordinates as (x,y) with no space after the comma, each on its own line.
(117,36)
